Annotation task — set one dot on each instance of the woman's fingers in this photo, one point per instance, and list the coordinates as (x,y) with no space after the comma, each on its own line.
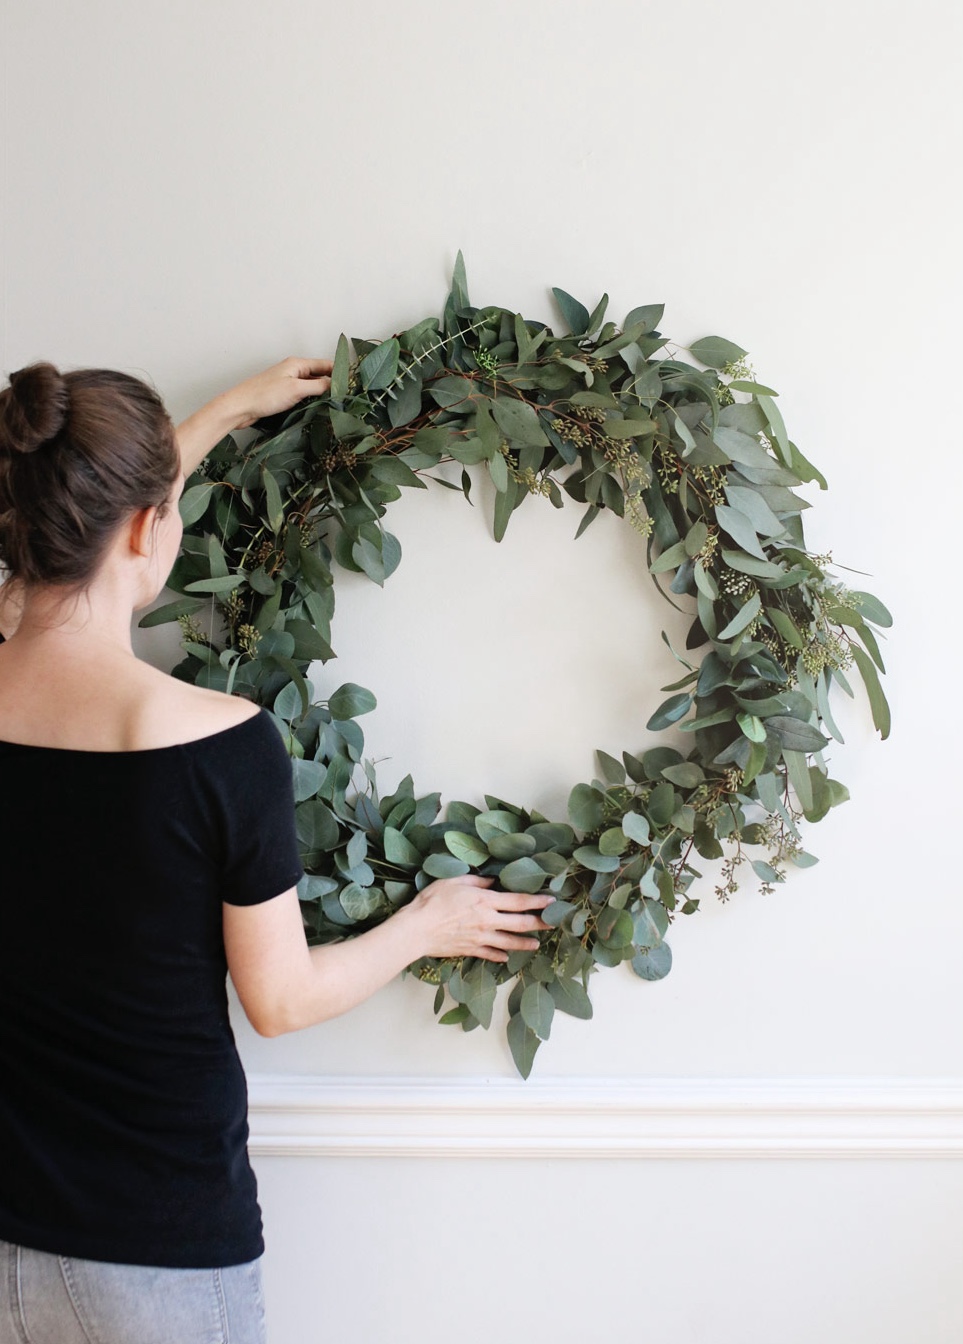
(311,368)
(311,374)
(465,918)
(519,900)
(520,923)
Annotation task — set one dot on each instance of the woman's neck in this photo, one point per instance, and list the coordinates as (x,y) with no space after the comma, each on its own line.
(45,618)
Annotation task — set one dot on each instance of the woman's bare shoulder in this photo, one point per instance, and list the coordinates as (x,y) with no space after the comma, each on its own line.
(177,711)
(102,701)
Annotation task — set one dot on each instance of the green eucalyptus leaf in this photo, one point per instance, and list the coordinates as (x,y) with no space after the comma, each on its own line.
(871,609)
(877,700)
(523,875)
(399,849)
(511,846)
(225,584)
(785,627)
(753,727)
(653,963)
(794,734)
(716,351)
(538,1009)
(523,1043)
(518,421)
(586,807)
(468,848)
(360,903)
(670,711)
(648,316)
(339,372)
(798,772)
(613,841)
(445,865)
(743,617)
(351,700)
(570,998)
(687,775)
(379,366)
(272,497)
(590,856)
(740,529)
(575,313)
(636,827)
(193,503)
(183,606)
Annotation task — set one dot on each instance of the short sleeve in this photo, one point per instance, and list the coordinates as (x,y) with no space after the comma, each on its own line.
(256,795)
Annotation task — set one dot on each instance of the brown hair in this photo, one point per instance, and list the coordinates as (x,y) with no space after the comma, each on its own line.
(80,452)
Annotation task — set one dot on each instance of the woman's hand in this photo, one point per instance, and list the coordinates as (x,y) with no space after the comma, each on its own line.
(276,389)
(460,917)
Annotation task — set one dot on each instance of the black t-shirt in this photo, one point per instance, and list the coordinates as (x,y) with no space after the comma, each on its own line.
(123,1104)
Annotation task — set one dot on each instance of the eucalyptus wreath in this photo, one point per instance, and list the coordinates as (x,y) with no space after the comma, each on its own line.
(696,458)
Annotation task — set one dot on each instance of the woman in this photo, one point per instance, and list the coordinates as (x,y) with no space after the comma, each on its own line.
(148,847)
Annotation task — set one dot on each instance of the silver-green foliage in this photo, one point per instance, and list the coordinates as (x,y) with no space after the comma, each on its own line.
(696,459)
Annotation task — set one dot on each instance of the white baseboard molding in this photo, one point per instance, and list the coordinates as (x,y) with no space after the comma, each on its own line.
(660,1118)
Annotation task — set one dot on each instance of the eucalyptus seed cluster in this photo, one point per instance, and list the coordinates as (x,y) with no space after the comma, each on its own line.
(639,520)
(739,368)
(734,583)
(843,596)
(337,455)
(568,428)
(534,483)
(783,846)
(782,653)
(728,886)
(191,630)
(231,606)
(248,638)
(826,650)
(667,470)
(486,360)
(713,483)
(625,457)
(709,547)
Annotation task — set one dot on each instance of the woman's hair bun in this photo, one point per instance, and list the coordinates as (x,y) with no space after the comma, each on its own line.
(33,409)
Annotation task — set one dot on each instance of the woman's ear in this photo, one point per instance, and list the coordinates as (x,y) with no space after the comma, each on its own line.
(141,530)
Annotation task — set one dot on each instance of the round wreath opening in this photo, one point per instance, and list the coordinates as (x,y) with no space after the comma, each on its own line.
(697,459)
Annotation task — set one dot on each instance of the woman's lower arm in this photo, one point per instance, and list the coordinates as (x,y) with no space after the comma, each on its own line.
(284,986)
(339,976)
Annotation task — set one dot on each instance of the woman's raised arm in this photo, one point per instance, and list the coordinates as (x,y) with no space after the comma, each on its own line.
(276,389)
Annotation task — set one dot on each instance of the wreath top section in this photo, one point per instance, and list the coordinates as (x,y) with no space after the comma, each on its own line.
(697,459)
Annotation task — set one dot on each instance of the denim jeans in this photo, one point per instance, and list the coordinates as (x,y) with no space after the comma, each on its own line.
(57,1299)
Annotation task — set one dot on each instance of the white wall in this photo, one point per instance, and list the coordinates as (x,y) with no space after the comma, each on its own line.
(194,190)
